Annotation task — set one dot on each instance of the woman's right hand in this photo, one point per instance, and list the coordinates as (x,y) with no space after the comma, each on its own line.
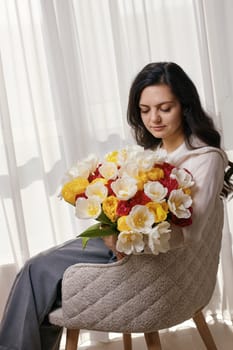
(110,242)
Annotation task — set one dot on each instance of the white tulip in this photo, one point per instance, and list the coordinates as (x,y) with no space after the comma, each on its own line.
(92,162)
(108,170)
(155,191)
(178,203)
(183,178)
(80,169)
(130,242)
(88,208)
(97,190)
(124,188)
(128,153)
(140,219)
(158,238)
(129,169)
(145,160)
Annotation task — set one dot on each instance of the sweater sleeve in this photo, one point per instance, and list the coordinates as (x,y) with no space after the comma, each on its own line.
(208,173)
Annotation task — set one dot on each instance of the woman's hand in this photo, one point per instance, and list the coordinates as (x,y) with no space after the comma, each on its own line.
(110,242)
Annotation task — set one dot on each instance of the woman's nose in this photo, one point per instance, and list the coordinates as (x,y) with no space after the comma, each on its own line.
(155,116)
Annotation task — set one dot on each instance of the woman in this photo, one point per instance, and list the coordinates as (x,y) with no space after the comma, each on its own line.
(164,111)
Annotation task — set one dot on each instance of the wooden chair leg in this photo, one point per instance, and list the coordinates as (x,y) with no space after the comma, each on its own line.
(204,331)
(153,341)
(72,339)
(127,341)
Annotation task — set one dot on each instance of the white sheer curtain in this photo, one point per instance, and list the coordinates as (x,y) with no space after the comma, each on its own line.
(65,71)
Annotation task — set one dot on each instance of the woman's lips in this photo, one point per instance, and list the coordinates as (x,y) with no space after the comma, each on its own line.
(157,128)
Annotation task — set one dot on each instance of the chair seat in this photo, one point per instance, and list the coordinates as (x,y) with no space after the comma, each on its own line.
(56,317)
(152,339)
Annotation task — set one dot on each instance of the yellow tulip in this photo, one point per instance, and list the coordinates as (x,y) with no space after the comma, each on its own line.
(122,225)
(73,188)
(109,207)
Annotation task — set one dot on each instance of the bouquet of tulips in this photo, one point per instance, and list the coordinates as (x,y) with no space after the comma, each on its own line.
(133,193)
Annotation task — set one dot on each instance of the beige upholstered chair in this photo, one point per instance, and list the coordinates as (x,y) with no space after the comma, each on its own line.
(141,293)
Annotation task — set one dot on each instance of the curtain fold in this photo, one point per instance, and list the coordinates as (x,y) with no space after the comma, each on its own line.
(13,184)
(216,51)
(65,72)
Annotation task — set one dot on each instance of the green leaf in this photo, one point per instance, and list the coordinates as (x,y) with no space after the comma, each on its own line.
(99,230)
(104,219)
(84,241)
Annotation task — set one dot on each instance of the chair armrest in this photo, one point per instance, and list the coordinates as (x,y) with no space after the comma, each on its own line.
(135,294)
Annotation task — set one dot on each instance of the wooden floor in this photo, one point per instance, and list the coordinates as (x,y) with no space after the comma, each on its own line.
(183,337)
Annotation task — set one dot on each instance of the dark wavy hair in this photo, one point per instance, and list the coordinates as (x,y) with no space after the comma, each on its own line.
(195,120)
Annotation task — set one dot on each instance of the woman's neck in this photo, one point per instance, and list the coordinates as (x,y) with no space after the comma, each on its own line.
(171,146)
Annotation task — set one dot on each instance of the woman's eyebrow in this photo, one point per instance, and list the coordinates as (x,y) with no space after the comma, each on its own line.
(158,104)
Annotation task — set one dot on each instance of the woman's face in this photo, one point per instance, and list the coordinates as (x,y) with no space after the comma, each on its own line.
(161,114)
